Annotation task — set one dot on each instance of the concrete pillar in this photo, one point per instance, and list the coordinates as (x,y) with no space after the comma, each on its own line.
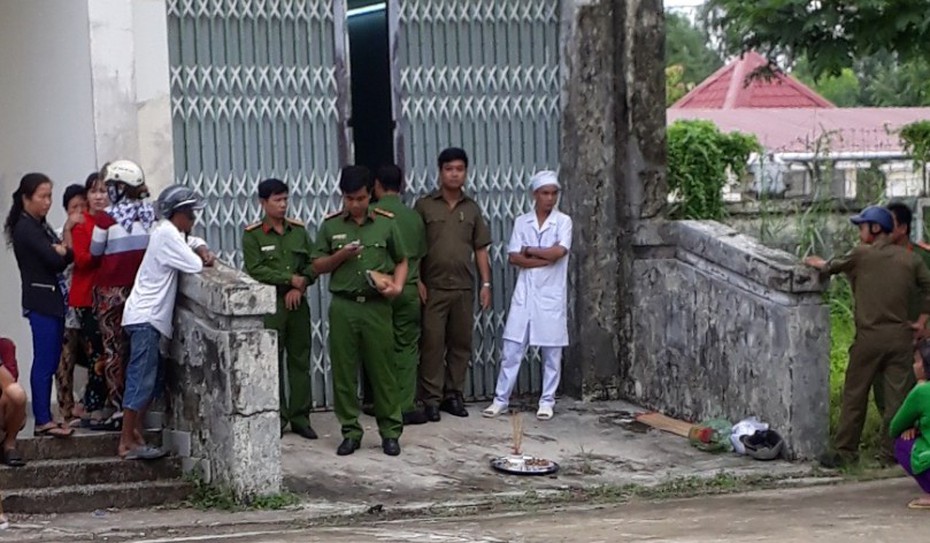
(613,156)
(223,381)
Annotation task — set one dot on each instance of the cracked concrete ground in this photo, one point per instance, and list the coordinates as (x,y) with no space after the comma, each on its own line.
(594,443)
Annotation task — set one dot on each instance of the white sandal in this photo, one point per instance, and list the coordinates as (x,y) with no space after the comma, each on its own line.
(493,410)
(544,412)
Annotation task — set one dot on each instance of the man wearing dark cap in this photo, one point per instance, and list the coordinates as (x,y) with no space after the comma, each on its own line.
(363,250)
(457,239)
(276,251)
(883,276)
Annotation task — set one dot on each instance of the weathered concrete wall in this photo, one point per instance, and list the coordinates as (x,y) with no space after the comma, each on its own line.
(726,327)
(223,380)
(613,165)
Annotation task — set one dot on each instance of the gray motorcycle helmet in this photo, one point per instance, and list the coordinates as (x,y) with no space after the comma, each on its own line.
(176,197)
(764,445)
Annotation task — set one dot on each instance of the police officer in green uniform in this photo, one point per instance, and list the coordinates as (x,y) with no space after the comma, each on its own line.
(388,186)
(351,243)
(884,277)
(277,252)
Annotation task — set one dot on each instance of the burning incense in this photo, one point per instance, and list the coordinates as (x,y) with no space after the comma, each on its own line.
(516,421)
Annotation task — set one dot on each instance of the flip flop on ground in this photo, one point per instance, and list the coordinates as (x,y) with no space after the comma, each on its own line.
(12,458)
(112,424)
(145,452)
(919,503)
(53,429)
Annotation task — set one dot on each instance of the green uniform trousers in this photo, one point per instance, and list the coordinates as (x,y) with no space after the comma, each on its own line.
(407,345)
(887,355)
(448,319)
(360,331)
(294,385)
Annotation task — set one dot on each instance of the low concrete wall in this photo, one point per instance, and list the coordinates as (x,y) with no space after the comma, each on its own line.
(726,327)
(223,382)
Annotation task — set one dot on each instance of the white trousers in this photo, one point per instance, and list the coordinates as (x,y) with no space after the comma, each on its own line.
(513,352)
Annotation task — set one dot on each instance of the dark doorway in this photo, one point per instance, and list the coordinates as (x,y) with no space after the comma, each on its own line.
(372,117)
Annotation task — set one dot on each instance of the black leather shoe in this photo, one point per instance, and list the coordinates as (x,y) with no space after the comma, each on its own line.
(348,446)
(454,406)
(416,416)
(368,409)
(305,432)
(432,413)
(390,446)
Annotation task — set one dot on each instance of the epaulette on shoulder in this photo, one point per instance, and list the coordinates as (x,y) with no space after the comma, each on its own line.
(294,221)
(253,226)
(384,212)
(332,215)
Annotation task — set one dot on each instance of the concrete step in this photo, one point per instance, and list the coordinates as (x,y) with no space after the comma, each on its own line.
(83,444)
(80,498)
(87,471)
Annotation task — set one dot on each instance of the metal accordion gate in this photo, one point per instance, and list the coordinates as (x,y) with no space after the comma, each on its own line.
(260,88)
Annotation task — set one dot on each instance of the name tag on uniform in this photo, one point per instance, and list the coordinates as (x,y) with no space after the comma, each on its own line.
(266,248)
(339,236)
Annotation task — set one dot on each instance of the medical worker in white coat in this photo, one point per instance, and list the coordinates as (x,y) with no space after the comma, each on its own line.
(539,246)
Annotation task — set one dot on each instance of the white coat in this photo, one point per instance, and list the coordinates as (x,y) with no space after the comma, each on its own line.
(540,298)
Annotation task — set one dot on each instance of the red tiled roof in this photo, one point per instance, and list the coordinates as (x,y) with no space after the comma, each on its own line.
(727,89)
(798,129)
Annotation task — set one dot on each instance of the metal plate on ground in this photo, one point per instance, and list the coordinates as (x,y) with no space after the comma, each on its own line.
(524,465)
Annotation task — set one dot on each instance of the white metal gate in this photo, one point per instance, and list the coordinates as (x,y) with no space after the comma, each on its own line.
(260,89)
(482,75)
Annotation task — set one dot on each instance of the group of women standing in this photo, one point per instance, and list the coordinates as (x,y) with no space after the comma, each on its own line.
(75,282)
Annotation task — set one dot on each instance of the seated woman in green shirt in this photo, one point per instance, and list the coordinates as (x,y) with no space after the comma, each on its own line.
(911,425)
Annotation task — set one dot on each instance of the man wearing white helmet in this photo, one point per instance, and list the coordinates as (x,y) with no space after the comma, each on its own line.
(539,247)
(150,308)
(119,240)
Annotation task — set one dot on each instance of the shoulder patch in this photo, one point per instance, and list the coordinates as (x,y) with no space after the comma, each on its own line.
(332,214)
(253,226)
(384,212)
(294,221)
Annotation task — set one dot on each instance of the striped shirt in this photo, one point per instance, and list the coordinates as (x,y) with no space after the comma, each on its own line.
(119,252)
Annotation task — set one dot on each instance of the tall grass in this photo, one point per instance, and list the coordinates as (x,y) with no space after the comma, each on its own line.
(842,333)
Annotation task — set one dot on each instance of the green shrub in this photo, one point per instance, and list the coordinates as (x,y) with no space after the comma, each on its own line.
(699,156)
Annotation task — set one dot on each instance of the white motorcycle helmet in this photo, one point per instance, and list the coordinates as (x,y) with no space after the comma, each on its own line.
(124,171)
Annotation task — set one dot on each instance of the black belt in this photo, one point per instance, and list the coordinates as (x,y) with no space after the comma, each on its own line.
(359,297)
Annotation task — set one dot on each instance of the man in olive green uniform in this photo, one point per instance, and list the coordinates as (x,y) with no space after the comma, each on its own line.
(388,185)
(277,252)
(349,244)
(884,277)
(901,235)
(457,237)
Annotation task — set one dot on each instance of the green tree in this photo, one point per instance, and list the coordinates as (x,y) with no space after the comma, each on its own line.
(675,87)
(687,45)
(878,80)
(844,90)
(699,157)
(830,33)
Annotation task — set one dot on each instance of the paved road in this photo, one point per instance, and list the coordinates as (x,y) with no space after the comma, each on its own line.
(868,512)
